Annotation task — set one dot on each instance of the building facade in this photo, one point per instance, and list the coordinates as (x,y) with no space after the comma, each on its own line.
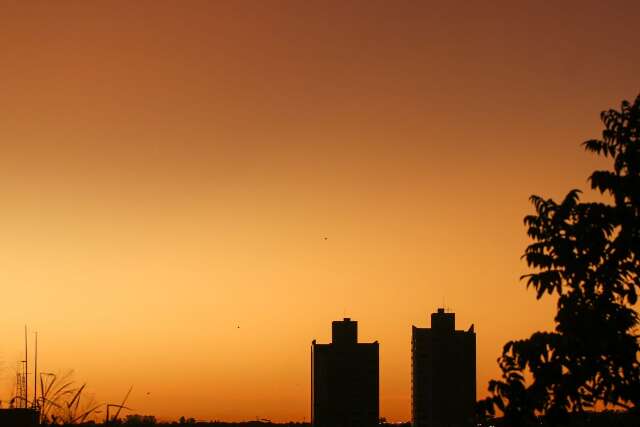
(443,374)
(345,379)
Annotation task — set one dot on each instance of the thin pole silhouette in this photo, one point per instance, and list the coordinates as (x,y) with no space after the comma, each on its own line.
(35,376)
(26,370)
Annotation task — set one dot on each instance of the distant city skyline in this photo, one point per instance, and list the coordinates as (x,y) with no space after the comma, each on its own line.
(192,191)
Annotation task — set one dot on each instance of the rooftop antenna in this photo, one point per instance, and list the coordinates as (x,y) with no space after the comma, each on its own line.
(26,370)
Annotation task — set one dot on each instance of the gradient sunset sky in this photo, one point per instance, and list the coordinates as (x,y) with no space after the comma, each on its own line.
(169,171)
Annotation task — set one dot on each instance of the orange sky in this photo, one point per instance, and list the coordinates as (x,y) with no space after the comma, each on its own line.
(169,171)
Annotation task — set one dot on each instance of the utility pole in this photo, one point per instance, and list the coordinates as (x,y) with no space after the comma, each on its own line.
(26,370)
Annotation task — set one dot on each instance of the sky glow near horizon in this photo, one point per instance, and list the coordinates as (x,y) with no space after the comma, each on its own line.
(170,171)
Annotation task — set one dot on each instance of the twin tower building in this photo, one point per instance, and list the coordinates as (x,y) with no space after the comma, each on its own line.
(345,379)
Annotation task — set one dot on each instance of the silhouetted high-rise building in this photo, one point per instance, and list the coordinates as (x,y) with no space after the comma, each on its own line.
(344,379)
(443,374)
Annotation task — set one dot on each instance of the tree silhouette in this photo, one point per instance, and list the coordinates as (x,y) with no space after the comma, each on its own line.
(588,254)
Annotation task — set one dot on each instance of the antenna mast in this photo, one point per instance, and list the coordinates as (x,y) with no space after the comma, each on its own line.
(26,370)
(19,378)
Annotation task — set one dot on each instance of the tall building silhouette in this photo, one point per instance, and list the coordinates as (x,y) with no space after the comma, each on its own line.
(345,379)
(443,374)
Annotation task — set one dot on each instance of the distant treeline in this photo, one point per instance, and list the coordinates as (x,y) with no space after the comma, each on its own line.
(587,419)
(147,420)
(151,421)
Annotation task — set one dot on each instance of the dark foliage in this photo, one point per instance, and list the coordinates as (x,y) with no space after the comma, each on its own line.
(151,421)
(140,420)
(587,254)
